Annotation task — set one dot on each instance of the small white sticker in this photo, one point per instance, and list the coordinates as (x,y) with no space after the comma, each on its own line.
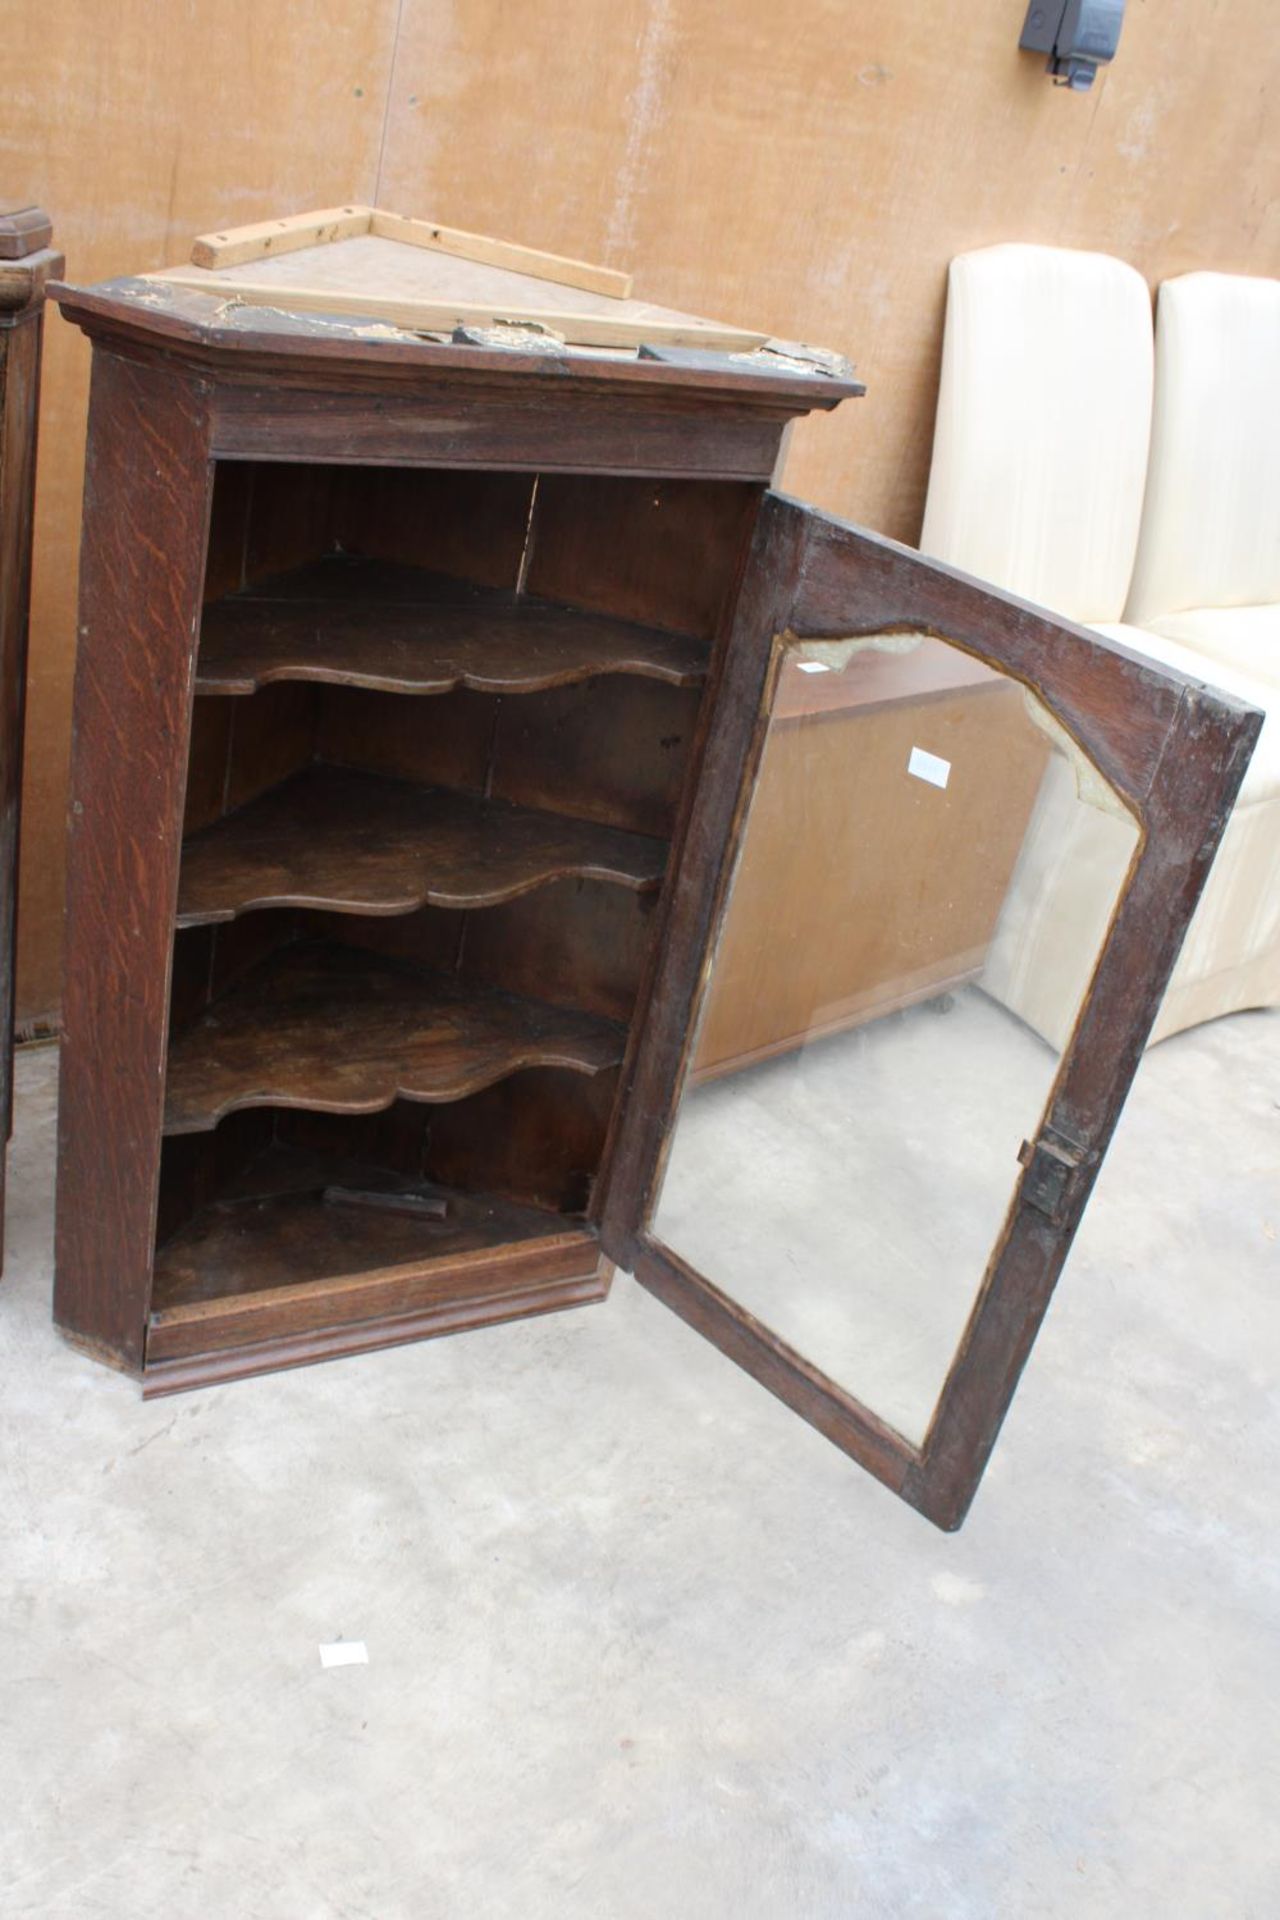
(813,666)
(344,1653)
(928,766)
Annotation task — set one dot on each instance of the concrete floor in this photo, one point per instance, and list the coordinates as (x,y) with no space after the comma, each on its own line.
(642,1644)
(850,1193)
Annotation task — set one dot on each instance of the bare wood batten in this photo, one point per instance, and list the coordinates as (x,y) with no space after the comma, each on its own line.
(218,251)
(363,262)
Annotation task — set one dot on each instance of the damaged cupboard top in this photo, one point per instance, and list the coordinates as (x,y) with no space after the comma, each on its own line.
(373,308)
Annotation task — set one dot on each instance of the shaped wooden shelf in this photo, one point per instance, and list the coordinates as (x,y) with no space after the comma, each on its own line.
(273,1227)
(336,1030)
(272,1251)
(400,629)
(359,843)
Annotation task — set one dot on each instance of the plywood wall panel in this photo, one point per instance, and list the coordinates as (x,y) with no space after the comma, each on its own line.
(138,126)
(810,169)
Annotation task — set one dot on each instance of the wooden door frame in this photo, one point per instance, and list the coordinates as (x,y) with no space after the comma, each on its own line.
(1174,750)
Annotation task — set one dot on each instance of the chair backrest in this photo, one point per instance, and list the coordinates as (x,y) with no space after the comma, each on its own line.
(1211,523)
(1044,417)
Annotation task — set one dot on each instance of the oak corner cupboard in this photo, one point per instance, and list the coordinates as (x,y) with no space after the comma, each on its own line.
(462,728)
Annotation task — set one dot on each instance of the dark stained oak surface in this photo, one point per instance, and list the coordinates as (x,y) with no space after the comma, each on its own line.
(141,564)
(24,249)
(400,629)
(273,1228)
(1172,749)
(358,843)
(293,501)
(338,1030)
(272,1274)
(208,331)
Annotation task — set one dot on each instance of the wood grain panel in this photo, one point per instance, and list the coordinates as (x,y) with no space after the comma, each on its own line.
(270,1040)
(468,524)
(272,736)
(358,844)
(578,943)
(555,427)
(133,698)
(445,742)
(840,160)
(288,1329)
(664,552)
(271,1227)
(289,511)
(207,755)
(207,960)
(20,339)
(860,889)
(366,624)
(611,750)
(144,129)
(228,528)
(429,939)
(537,1136)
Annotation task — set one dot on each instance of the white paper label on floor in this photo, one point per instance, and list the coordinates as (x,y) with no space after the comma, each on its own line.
(929,766)
(812,666)
(344,1653)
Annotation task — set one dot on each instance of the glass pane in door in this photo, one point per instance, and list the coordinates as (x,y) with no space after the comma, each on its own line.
(925,878)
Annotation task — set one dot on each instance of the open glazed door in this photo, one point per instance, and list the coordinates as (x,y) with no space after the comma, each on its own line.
(938,867)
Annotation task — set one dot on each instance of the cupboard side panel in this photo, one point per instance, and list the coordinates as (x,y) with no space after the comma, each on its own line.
(147,495)
(614,750)
(664,552)
(471,524)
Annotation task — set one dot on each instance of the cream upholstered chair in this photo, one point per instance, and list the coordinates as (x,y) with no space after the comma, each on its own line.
(1208,564)
(1039,467)
(1043,426)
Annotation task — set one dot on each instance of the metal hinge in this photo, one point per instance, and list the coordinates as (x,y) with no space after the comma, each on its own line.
(1052,1162)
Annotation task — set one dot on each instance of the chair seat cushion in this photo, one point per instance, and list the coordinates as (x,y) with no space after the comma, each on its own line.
(1262,780)
(1246,639)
